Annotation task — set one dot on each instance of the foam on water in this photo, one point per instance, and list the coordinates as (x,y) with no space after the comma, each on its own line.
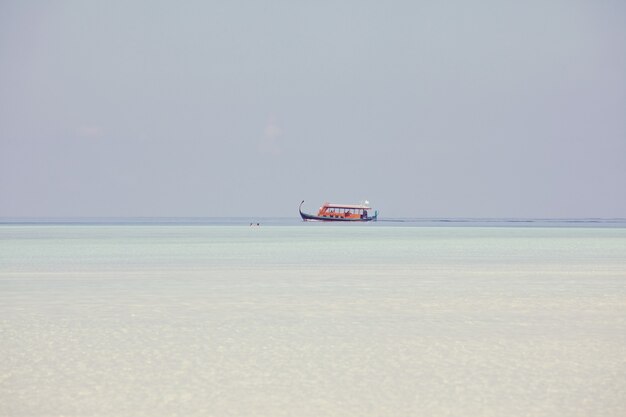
(310,320)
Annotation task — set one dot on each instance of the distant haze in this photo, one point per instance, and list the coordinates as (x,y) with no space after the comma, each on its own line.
(424,108)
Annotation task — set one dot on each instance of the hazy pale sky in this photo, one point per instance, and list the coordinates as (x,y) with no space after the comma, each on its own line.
(244,108)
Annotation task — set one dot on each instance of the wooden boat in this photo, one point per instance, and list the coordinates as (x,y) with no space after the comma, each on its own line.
(341,213)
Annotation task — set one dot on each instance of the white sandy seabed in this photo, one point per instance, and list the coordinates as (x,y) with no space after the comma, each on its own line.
(302,321)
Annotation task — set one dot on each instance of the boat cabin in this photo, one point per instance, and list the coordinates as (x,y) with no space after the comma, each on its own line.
(343,211)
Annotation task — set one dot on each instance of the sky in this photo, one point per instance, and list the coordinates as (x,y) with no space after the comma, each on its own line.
(245,108)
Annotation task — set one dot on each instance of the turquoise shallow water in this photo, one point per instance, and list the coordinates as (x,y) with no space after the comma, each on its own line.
(312,319)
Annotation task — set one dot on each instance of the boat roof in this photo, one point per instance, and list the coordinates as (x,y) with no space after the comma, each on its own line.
(347,206)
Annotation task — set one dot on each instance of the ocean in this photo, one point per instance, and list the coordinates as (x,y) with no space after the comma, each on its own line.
(426,317)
